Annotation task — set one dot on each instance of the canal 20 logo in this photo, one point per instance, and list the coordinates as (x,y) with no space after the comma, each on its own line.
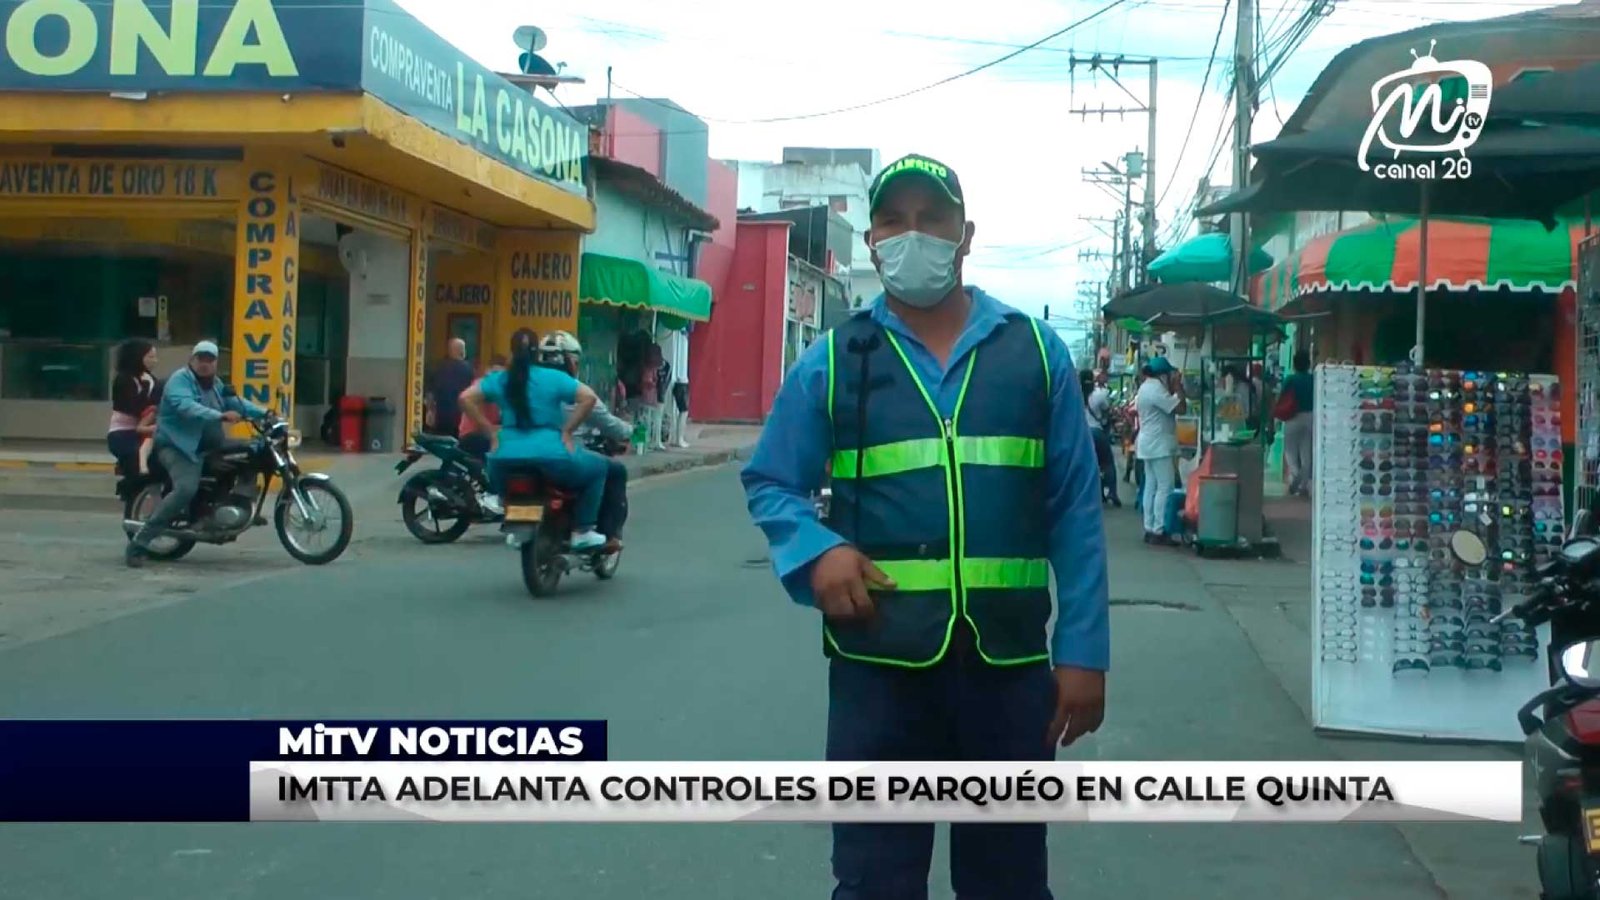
(1470,83)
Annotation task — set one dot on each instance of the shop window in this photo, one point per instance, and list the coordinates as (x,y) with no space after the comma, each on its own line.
(50,370)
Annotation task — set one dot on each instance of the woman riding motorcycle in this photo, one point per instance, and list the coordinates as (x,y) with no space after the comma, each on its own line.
(536,428)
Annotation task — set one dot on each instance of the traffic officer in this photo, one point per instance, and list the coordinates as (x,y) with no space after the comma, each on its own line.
(962,475)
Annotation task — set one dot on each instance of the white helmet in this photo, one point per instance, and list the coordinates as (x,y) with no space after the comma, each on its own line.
(558,344)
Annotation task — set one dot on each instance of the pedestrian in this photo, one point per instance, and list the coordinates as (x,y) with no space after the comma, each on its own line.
(646,407)
(135,394)
(453,376)
(1160,401)
(1299,431)
(1099,400)
(1102,451)
(962,475)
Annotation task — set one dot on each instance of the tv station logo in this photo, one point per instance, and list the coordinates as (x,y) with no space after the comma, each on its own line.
(1430,109)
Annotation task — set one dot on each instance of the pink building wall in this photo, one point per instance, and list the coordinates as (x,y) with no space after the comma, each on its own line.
(738,356)
(633,140)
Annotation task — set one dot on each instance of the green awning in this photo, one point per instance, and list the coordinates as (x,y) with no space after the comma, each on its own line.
(1207,258)
(615,281)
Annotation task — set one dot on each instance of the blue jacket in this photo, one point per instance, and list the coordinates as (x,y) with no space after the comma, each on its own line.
(186,411)
(796,443)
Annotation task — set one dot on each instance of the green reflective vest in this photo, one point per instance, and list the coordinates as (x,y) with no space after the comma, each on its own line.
(952,509)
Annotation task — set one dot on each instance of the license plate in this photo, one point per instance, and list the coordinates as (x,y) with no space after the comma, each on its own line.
(524,513)
(1591,823)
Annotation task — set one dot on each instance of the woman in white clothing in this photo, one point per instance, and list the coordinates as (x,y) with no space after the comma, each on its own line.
(1160,401)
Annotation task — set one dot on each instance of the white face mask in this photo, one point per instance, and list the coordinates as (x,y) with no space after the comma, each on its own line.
(917,269)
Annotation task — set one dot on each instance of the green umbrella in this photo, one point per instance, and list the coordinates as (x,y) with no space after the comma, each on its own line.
(1206,258)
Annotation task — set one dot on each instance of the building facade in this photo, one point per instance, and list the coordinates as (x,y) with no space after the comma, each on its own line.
(818,176)
(328,191)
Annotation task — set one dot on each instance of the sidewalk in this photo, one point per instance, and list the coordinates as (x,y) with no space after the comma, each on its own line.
(1269,602)
(77,476)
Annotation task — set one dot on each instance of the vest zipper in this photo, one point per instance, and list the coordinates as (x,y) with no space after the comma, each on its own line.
(957,514)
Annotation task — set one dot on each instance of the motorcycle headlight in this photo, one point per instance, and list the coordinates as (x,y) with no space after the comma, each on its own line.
(294,441)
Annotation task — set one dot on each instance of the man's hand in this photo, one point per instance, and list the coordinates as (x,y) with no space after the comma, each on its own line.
(839,581)
(570,442)
(494,439)
(231,417)
(1080,705)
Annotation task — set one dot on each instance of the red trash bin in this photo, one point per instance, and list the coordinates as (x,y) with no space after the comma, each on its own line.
(352,422)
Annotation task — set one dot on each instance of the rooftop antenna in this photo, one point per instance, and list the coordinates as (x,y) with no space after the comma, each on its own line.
(533,70)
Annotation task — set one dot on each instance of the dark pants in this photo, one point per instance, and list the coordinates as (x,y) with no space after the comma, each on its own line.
(446,421)
(614,502)
(1108,464)
(183,474)
(476,444)
(124,447)
(962,710)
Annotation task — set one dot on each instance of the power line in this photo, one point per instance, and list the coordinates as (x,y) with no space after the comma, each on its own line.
(1204,81)
(904,94)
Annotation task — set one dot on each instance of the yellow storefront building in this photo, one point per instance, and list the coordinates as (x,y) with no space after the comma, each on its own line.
(325,187)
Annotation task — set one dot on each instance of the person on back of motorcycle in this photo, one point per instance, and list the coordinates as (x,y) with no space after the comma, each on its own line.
(541,409)
(560,350)
(195,405)
(474,441)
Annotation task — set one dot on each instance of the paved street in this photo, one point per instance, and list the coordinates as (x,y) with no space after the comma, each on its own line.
(692,653)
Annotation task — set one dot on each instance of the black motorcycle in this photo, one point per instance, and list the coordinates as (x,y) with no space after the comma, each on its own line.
(439,505)
(538,525)
(234,483)
(1562,724)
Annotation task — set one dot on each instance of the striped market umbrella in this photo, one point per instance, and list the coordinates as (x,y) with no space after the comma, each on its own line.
(1463,254)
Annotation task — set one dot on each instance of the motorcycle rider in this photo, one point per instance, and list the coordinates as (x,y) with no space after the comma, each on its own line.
(195,404)
(541,410)
(562,351)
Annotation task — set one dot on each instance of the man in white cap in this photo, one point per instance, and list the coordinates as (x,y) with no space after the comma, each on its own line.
(195,404)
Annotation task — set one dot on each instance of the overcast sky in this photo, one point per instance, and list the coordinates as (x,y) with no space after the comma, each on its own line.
(1005,130)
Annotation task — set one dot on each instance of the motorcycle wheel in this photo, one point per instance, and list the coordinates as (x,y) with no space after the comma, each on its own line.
(1564,869)
(541,567)
(330,496)
(413,511)
(138,508)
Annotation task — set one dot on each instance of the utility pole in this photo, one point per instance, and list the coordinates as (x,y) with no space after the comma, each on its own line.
(1244,112)
(1129,268)
(1111,66)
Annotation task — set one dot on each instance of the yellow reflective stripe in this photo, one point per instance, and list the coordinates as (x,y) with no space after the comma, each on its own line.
(890,459)
(934,574)
(1026,453)
(927,453)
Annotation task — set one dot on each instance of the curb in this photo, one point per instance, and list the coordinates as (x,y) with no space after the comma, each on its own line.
(111,504)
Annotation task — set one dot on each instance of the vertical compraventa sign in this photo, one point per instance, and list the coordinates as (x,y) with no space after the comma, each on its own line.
(417,323)
(538,283)
(266,279)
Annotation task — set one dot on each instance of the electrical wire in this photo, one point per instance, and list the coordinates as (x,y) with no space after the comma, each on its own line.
(903,94)
(1205,80)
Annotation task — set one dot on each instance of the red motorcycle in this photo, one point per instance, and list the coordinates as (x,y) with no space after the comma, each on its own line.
(538,524)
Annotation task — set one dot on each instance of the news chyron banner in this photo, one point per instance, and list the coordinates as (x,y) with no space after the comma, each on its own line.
(558,771)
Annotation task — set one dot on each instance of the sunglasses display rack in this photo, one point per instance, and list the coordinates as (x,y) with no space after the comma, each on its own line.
(1403,641)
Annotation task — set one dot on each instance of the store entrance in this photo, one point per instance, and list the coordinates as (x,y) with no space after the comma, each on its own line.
(352,335)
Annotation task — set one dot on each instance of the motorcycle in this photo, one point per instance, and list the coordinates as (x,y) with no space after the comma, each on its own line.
(538,525)
(1562,724)
(234,482)
(451,493)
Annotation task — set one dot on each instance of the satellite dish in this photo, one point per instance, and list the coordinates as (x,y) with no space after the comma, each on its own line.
(530,39)
(534,64)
